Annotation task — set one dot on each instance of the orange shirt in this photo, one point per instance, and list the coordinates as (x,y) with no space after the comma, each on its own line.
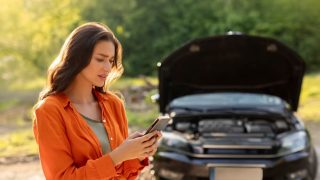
(68,147)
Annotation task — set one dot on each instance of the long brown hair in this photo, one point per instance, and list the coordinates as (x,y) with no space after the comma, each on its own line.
(76,54)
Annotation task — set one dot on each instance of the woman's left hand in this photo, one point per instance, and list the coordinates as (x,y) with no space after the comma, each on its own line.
(154,146)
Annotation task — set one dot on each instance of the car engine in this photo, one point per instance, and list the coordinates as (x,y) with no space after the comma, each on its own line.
(230,135)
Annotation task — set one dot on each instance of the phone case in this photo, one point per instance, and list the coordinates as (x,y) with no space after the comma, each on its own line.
(159,124)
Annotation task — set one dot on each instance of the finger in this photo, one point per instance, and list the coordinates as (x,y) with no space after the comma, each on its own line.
(148,149)
(148,143)
(152,134)
(147,153)
(152,140)
(148,136)
(144,153)
(153,152)
(135,135)
(159,134)
(158,138)
(155,149)
(155,140)
(151,148)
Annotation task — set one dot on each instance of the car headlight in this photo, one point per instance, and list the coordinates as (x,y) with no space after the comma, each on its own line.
(293,142)
(175,141)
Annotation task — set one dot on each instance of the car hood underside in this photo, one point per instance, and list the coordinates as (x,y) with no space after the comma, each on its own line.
(238,63)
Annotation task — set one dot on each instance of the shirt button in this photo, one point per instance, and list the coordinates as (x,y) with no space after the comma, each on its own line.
(111,138)
(103,120)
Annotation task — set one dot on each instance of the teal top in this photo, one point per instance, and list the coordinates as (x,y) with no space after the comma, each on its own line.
(100,131)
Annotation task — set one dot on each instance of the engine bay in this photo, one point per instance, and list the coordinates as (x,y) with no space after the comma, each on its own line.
(230,126)
(230,135)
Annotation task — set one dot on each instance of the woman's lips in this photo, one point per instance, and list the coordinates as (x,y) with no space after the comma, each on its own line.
(103,77)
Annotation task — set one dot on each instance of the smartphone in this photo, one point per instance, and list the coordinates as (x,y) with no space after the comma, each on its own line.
(158,124)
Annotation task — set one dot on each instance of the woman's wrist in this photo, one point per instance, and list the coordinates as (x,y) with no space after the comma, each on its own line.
(116,156)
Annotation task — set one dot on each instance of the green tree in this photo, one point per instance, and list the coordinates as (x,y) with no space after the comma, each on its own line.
(32,33)
(150,30)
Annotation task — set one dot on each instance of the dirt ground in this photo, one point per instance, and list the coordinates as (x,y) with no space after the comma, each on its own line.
(30,169)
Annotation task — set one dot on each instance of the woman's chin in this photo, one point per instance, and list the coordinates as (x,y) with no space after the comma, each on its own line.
(99,84)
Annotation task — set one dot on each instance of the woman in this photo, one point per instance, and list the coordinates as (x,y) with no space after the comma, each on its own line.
(81,128)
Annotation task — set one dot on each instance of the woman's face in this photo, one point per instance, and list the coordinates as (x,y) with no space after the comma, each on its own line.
(100,64)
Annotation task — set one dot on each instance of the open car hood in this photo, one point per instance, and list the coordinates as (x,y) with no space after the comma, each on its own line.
(232,63)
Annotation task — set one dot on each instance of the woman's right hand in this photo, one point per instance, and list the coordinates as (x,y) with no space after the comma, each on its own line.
(136,145)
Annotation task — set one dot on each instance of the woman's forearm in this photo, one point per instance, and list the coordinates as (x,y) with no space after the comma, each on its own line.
(117,156)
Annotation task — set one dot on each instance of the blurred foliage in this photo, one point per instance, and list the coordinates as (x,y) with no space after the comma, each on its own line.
(310,98)
(142,120)
(7,104)
(127,82)
(18,143)
(33,31)
(150,30)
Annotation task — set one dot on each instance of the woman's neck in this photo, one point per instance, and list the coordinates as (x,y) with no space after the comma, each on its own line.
(80,92)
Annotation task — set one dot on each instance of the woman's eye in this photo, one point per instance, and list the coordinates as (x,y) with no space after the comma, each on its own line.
(99,60)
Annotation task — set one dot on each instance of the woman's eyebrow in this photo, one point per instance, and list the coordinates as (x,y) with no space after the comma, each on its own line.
(104,55)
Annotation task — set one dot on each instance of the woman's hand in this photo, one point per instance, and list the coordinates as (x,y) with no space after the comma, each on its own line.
(153,147)
(136,145)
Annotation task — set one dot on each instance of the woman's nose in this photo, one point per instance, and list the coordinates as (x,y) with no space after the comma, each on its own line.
(107,66)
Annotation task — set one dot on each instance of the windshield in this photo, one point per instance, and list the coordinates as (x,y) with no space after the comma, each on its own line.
(226,99)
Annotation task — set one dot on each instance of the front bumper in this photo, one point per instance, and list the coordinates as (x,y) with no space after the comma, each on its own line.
(173,165)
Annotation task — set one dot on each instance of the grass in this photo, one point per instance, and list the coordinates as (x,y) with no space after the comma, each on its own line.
(18,143)
(309,108)
(8,104)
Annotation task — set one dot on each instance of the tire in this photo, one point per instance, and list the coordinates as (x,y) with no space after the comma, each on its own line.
(313,166)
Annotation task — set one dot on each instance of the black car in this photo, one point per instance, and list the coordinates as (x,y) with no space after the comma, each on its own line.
(232,100)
